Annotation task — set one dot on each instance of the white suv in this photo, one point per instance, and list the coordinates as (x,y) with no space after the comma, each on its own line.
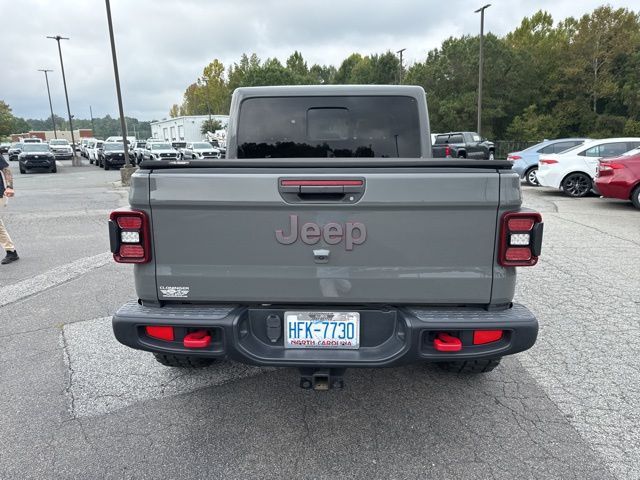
(61,149)
(160,151)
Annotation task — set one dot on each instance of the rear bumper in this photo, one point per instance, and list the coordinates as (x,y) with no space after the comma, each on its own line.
(388,337)
(612,187)
(521,166)
(549,177)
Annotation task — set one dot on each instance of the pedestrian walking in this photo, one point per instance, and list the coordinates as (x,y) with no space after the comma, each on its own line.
(6,191)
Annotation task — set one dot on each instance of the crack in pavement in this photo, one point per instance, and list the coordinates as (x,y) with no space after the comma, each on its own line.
(105,376)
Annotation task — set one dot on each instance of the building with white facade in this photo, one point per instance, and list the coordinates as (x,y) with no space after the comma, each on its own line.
(186,128)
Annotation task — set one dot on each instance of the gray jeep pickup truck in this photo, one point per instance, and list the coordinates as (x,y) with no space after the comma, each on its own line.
(326,239)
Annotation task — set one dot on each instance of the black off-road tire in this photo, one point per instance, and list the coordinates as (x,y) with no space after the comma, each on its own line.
(182,361)
(635,197)
(470,366)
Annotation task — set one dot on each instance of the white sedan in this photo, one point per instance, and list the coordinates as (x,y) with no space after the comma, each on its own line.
(574,170)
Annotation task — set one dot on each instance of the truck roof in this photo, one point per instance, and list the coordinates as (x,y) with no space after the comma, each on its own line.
(328,90)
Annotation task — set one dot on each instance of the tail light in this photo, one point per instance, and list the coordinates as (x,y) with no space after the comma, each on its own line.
(606,168)
(481,337)
(520,239)
(129,236)
(447,151)
(547,161)
(513,158)
(161,332)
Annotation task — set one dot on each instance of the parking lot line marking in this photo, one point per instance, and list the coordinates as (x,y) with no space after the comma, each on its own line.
(56,276)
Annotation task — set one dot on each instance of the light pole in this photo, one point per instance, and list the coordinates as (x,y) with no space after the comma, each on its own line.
(57,38)
(481,62)
(53,120)
(93,127)
(400,73)
(125,173)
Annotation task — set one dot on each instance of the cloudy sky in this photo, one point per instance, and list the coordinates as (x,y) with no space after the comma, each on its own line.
(164,44)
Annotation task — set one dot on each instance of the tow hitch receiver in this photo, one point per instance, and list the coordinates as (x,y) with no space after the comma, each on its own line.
(197,339)
(321,379)
(447,343)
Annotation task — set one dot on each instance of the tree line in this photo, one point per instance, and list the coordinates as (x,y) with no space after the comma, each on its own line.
(544,79)
(104,127)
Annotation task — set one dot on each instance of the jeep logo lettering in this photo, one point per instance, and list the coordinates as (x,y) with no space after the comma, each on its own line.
(353,233)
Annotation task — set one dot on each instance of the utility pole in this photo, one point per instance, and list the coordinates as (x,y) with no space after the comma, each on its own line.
(93,127)
(57,38)
(53,119)
(400,72)
(125,173)
(480,66)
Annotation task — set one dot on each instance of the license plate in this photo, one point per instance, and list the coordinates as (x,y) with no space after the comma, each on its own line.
(339,330)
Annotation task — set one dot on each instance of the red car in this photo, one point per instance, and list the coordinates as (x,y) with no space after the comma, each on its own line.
(620,178)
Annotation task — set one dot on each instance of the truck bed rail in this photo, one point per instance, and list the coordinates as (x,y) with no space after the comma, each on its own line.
(327,162)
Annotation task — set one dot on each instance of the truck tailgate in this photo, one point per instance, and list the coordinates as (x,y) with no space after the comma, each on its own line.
(418,236)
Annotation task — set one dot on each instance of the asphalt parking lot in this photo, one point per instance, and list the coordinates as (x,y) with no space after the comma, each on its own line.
(76,404)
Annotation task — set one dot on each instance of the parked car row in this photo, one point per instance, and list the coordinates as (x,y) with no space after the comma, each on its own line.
(154,149)
(151,149)
(525,162)
(32,153)
(579,166)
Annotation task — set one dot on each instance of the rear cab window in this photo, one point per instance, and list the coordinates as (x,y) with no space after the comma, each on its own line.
(329,126)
